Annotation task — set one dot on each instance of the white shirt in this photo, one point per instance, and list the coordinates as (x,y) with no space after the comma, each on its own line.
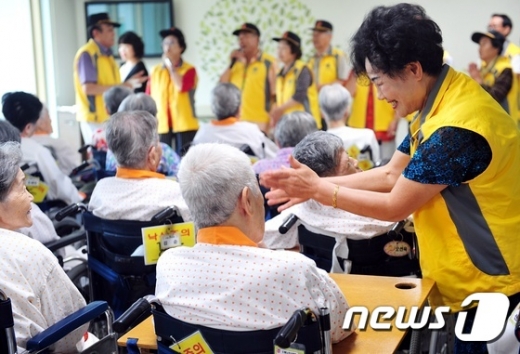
(116,198)
(60,185)
(324,220)
(66,157)
(242,288)
(237,134)
(359,137)
(41,293)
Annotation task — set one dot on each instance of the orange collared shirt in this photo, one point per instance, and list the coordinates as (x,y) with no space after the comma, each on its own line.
(136,174)
(226,121)
(224,235)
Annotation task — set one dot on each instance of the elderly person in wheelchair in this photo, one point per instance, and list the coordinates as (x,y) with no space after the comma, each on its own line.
(324,153)
(227,128)
(41,293)
(227,281)
(137,192)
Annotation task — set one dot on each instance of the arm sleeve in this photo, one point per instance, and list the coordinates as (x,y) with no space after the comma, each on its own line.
(188,80)
(86,70)
(343,68)
(302,85)
(515,63)
(502,85)
(405,145)
(451,156)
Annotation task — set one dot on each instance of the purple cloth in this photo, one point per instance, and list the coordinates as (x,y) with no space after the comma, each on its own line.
(281,159)
(86,70)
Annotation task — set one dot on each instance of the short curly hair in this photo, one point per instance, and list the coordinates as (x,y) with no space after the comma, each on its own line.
(391,37)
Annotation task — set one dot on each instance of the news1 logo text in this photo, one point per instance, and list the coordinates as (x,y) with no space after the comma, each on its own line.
(488,324)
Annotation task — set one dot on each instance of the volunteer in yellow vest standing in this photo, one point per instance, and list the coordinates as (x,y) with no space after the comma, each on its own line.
(295,89)
(254,73)
(95,71)
(495,74)
(172,85)
(457,170)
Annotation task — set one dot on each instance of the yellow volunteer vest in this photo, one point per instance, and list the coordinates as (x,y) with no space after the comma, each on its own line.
(286,87)
(491,72)
(468,235)
(253,81)
(167,97)
(91,109)
(512,50)
(325,69)
(383,111)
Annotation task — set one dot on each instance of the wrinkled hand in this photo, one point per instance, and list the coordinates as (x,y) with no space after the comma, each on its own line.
(238,55)
(290,185)
(474,72)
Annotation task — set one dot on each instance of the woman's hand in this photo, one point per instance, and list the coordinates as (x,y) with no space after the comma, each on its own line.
(474,72)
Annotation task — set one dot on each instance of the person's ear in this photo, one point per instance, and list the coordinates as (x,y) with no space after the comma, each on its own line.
(246,202)
(416,69)
(153,158)
(28,130)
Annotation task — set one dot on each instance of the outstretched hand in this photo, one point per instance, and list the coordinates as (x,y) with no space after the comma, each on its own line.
(290,185)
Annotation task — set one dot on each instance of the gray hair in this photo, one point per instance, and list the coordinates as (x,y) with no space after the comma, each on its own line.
(139,102)
(130,135)
(225,100)
(293,127)
(334,102)
(114,96)
(321,152)
(211,177)
(9,132)
(10,159)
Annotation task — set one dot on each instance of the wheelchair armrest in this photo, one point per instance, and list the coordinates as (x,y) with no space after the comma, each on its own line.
(165,214)
(138,311)
(78,235)
(62,328)
(69,210)
(288,224)
(288,332)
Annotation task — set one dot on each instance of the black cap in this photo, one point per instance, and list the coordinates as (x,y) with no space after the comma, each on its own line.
(496,38)
(247,27)
(173,31)
(290,37)
(322,26)
(100,18)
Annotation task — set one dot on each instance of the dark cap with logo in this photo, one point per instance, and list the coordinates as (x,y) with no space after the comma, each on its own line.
(289,37)
(101,18)
(247,27)
(497,39)
(322,26)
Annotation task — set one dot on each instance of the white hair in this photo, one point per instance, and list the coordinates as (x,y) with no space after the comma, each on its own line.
(211,177)
(334,101)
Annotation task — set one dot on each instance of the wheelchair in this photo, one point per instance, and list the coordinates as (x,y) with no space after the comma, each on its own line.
(305,330)
(41,342)
(115,276)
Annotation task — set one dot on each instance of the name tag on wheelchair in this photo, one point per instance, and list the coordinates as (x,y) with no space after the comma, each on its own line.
(36,187)
(157,239)
(193,344)
(294,348)
(397,248)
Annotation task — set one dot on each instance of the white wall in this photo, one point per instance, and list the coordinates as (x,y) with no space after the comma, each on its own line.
(457,19)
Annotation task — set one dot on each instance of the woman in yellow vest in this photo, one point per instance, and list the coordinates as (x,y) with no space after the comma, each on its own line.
(295,90)
(456,171)
(496,74)
(172,85)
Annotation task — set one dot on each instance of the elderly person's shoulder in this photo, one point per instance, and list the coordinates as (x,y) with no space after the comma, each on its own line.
(24,248)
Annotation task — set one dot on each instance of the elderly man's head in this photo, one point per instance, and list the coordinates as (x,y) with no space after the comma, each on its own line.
(114,96)
(220,188)
(225,101)
(293,127)
(22,110)
(334,103)
(139,102)
(324,153)
(133,138)
(8,132)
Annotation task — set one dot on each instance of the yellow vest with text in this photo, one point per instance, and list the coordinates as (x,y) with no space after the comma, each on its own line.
(511,51)
(286,87)
(510,102)
(91,108)
(181,105)
(383,111)
(325,69)
(469,235)
(253,81)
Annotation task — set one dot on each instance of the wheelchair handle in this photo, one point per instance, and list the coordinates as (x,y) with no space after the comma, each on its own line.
(288,332)
(72,209)
(79,168)
(287,224)
(84,148)
(167,213)
(127,319)
(396,229)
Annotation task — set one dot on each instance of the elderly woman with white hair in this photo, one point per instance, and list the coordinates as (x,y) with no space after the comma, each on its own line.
(137,192)
(227,127)
(41,293)
(169,164)
(335,103)
(289,131)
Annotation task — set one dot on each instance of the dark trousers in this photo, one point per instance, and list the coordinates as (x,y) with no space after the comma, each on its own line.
(180,142)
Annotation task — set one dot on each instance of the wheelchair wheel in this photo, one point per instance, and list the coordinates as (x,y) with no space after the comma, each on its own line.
(79,276)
